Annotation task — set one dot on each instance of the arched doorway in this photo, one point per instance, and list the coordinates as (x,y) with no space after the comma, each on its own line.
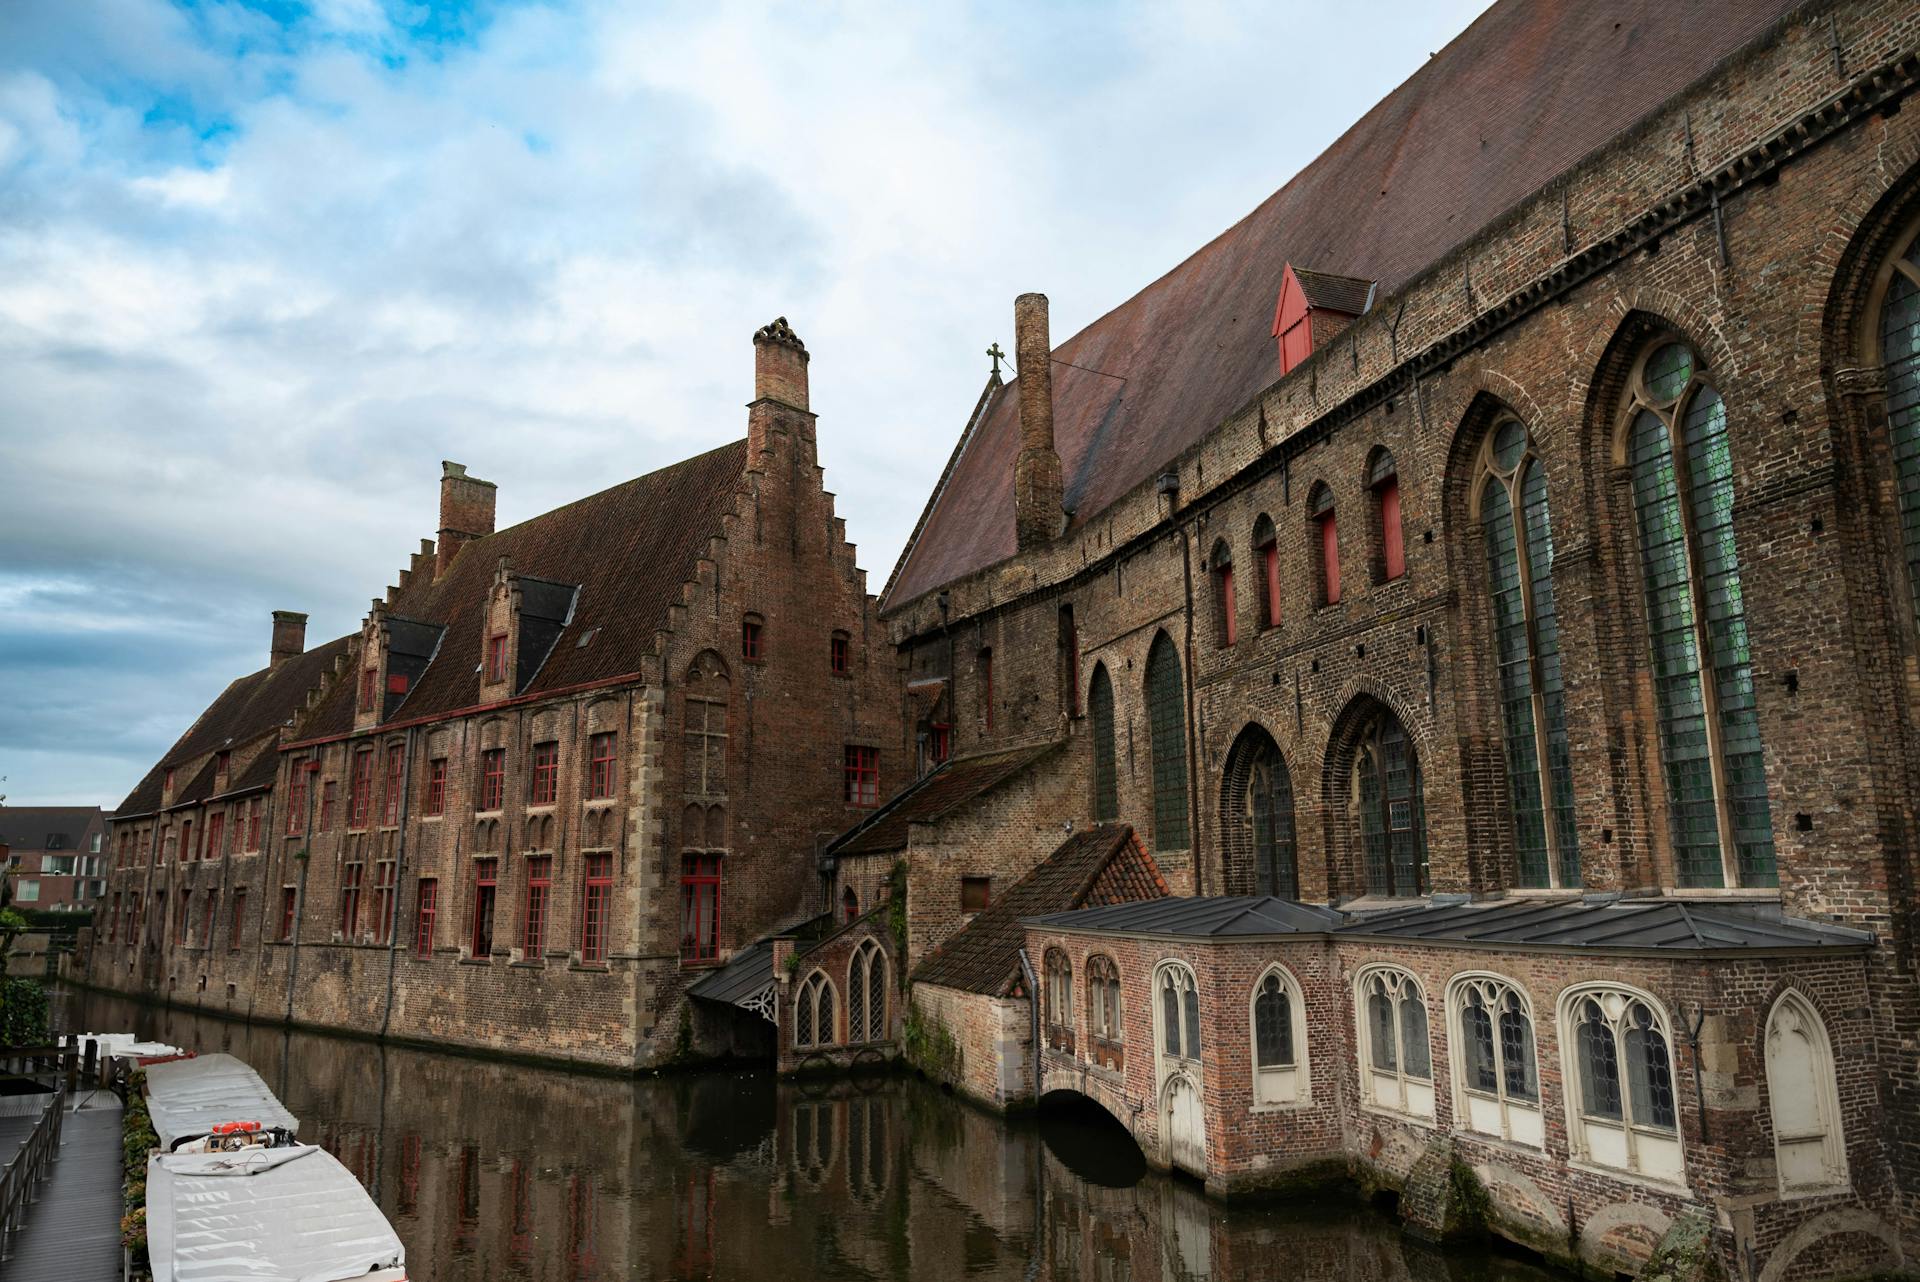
(1185,1126)
(1256,819)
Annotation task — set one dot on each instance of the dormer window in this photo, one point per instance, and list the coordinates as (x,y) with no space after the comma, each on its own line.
(369,684)
(221,762)
(497,657)
(1313,307)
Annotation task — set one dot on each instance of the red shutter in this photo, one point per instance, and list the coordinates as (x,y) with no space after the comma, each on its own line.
(1393,552)
(1330,558)
(1270,566)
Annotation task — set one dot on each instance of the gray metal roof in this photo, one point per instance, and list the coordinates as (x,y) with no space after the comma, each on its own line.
(744,975)
(1212,917)
(1690,925)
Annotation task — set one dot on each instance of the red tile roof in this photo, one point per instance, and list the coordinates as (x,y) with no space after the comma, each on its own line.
(933,795)
(1516,99)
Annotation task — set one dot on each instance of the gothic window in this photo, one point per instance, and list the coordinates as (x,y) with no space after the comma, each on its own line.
(813,1012)
(1622,1111)
(1106,768)
(1710,746)
(1103,999)
(1257,827)
(866,994)
(1178,1013)
(1383,483)
(1497,1076)
(1809,1149)
(1266,552)
(1166,717)
(705,759)
(1519,540)
(1900,350)
(1278,1019)
(1059,989)
(1225,600)
(1396,1061)
(1326,544)
(1069,648)
(1391,811)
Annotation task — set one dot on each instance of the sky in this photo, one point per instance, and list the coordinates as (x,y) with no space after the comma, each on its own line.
(264,265)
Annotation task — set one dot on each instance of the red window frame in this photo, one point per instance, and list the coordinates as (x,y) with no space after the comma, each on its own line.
(1270,571)
(840,654)
(350,900)
(486,893)
(396,785)
(533,917)
(493,778)
(939,741)
(1229,606)
(289,901)
(426,909)
(602,749)
(545,783)
(700,878)
(1393,548)
(385,883)
(222,763)
(329,798)
(360,789)
(497,657)
(239,915)
(437,786)
(188,851)
(369,687)
(596,902)
(216,834)
(1329,557)
(256,821)
(862,776)
(750,638)
(166,784)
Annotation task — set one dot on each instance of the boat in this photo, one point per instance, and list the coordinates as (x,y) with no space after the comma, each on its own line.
(187,1097)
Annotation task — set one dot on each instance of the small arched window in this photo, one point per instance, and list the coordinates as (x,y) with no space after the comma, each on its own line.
(1326,544)
(1166,718)
(813,1012)
(1497,1073)
(1519,539)
(1622,1111)
(1279,1030)
(1678,450)
(1390,808)
(1178,1013)
(866,994)
(1809,1148)
(1059,989)
(1106,766)
(1226,604)
(1103,999)
(1396,1060)
(849,904)
(1383,483)
(1266,552)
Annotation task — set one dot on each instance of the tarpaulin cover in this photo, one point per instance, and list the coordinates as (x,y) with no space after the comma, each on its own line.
(116,1045)
(187,1096)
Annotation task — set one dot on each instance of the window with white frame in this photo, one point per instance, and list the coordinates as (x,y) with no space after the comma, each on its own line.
(813,1012)
(1103,998)
(1178,1013)
(1396,1060)
(1622,1111)
(866,994)
(1059,990)
(1809,1148)
(1278,1018)
(1496,1070)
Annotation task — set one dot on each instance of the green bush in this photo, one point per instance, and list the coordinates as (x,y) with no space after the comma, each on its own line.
(23,1013)
(137,1138)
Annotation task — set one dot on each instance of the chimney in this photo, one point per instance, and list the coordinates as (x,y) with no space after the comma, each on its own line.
(779,385)
(1036,473)
(466,512)
(289,636)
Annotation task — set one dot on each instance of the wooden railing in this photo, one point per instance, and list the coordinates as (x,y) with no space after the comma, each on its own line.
(28,1166)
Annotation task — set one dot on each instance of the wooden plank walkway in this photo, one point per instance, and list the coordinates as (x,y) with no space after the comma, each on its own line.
(73,1228)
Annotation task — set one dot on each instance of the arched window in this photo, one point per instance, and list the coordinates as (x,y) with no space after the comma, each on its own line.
(1496,1073)
(866,994)
(1621,1112)
(1900,351)
(1809,1148)
(1266,551)
(1067,642)
(813,1012)
(1225,601)
(1103,999)
(849,904)
(1396,1061)
(1106,768)
(1178,1013)
(1059,989)
(1383,483)
(1256,829)
(1696,614)
(705,759)
(1391,811)
(1278,1020)
(1526,628)
(1166,718)
(1326,544)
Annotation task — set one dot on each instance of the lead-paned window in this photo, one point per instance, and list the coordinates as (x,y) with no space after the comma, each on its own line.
(1396,1060)
(1900,350)
(1166,719)
(1392,811)
(1624,1112)
(813,1012)
(1106,769)
(1179,1013)
(1498,1078)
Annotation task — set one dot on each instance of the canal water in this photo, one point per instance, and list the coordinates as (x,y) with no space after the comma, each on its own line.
(502,1171)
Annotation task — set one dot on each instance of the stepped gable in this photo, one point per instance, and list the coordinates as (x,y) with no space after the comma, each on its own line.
(252,706)
(1090,868)
(1517,99)
(934,795)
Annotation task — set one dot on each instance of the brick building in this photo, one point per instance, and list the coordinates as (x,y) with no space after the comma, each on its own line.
(530,799)
(1484,579)
(53,855)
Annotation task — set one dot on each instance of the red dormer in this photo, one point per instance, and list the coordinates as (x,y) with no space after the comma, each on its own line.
(1313,307)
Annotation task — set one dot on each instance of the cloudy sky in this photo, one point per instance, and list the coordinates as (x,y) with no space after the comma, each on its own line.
(263,265)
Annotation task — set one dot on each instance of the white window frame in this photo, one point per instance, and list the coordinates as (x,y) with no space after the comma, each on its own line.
(1493,1113)
(1793,1013)
(1626,1147)
(1392,1091)
(1185,1058)
(809,991)
(1098,1025)
(1284,1086)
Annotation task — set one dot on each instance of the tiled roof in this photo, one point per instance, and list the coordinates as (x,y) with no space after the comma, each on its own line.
(1336,293)
(984,956)
(933,795)
(629,550)
(1212,917)
(1630,924)
(1518,98)
(48,827)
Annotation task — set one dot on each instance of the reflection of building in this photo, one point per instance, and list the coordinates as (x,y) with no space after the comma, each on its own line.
(53,855)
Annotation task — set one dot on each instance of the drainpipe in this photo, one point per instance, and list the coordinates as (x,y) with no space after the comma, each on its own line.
(399,880)
(1693,1044)
(1033,1015)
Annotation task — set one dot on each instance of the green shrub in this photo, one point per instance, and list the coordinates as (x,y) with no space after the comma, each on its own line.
(137,1139)
(23,1013)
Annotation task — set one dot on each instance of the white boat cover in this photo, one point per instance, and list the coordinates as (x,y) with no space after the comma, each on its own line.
(187,1096)
(118,1045)
(264,1215)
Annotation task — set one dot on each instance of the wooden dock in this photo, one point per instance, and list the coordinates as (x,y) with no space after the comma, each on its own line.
(72,1229)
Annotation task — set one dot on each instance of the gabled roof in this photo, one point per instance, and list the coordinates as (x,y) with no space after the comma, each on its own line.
(27,828)
(934,795)
(617,560)
(1515,100)
(1097,866)
(1212,917)
(1349,294)
(1624,924)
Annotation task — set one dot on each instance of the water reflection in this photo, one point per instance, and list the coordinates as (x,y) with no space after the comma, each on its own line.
(495,1171)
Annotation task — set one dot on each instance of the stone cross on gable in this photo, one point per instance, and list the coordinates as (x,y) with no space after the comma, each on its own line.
(998,356)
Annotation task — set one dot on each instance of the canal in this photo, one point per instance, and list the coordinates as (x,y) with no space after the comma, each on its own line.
(502,1171)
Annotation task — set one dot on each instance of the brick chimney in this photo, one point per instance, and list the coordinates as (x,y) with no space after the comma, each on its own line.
(466,512)
(1036,473)
(289,636)
(779,385)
